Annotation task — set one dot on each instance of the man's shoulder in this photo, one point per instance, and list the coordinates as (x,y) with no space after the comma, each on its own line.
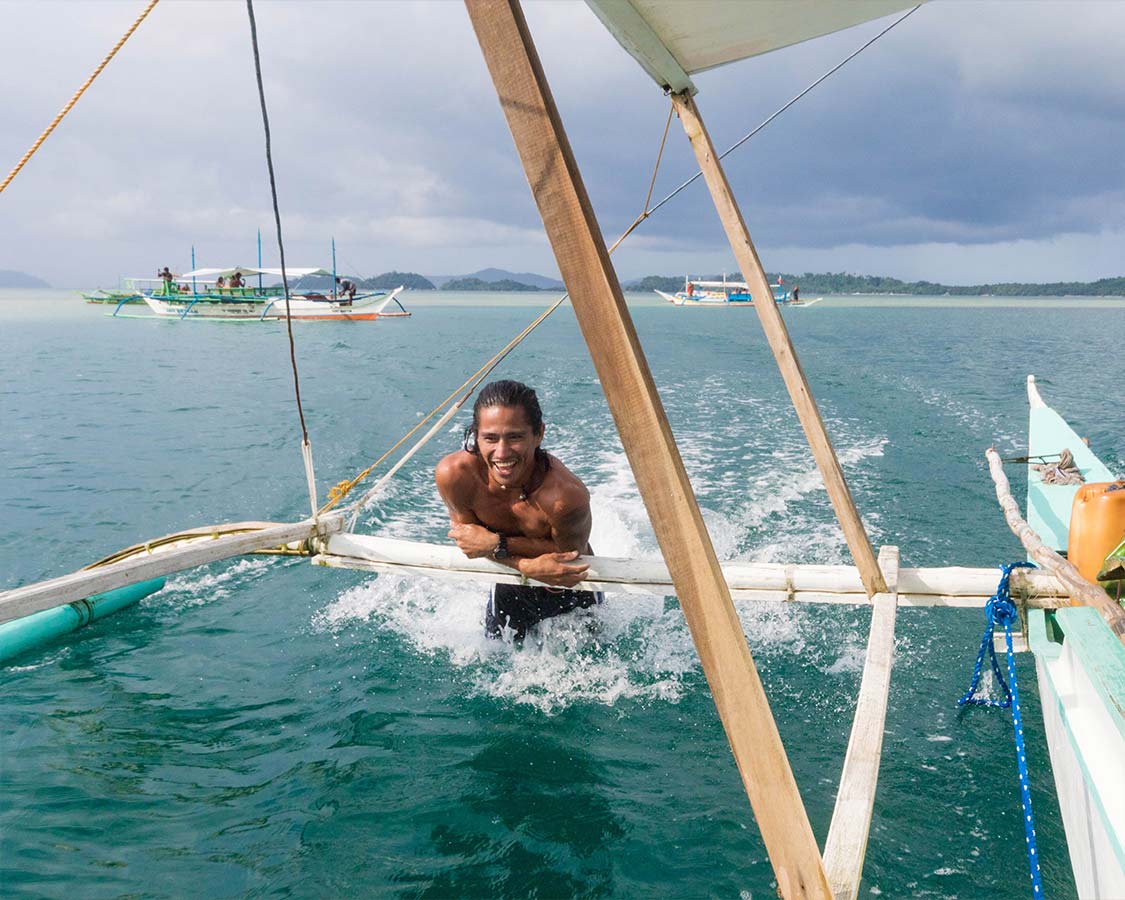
(564,491)
(456,464)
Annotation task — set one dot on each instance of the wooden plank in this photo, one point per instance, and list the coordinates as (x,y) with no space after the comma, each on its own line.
(802,583)
(778,337)
(24,601)
(851,819)
(649,445)
(1081,591)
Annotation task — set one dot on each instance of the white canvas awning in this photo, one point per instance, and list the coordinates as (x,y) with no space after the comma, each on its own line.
(291,271)
(673,39)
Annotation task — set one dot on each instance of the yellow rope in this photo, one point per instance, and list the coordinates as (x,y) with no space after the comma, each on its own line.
(147,547)
(78,94)
(341,489)
(659,154)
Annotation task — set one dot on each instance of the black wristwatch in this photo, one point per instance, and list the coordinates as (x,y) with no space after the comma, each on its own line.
(501,551)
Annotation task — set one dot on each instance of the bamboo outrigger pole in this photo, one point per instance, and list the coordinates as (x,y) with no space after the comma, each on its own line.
(780,344)
(647,438)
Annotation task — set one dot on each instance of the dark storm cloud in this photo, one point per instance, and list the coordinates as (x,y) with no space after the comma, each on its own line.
(971,125)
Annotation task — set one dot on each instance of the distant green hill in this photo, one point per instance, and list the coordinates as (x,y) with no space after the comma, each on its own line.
(390,280)
(845,283)
(386,281)
(9,278)
(475,284)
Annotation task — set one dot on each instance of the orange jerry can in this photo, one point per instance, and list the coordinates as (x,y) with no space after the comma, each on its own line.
(1097,525)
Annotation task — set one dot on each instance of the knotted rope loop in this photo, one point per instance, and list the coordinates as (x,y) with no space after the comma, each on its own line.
(1000,610)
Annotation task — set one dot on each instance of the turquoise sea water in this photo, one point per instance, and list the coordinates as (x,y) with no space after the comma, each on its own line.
(266,728)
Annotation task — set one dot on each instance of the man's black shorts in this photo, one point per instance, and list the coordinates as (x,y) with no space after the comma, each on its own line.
(520,606)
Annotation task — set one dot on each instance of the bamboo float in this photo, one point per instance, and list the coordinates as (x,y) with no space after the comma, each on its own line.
(952,586)
(778,336)
(26,633)
(142,564)
(599,305)
(1080,591)
(846,846)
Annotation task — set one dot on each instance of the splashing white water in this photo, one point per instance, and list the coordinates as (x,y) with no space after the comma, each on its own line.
(632,647)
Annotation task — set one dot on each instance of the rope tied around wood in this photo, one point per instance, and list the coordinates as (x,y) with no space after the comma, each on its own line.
(1000,610)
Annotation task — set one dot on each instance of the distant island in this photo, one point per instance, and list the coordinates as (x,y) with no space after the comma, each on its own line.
(493,280)
(476,284)
(843,283)
(529,281)
(9,278)
(384,282)
(811,283)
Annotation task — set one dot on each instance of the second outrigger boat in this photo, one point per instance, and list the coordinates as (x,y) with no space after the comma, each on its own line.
(700,292)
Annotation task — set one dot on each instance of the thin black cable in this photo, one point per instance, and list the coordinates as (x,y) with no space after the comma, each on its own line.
(277,219)
(830,72)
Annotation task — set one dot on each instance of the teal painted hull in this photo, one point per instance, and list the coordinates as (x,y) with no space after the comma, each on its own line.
(32,631)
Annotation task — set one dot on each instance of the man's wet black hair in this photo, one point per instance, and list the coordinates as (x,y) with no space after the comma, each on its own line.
(510,394)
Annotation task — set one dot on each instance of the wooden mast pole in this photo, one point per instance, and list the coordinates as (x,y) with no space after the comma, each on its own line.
(647,438)
(780,344)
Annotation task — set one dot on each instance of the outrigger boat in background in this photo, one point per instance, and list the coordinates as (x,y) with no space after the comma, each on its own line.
(117,296)
(206,298)
(698,292)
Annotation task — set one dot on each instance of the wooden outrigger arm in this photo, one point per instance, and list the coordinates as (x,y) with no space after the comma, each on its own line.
(649,445)
(846,846)
(778,336)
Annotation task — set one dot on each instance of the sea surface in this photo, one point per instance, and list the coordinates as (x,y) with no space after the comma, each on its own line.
(262,727)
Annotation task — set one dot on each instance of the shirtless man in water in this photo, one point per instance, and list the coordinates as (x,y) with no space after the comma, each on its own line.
(511,501)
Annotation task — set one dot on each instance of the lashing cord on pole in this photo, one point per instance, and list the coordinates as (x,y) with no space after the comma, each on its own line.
(1000,610)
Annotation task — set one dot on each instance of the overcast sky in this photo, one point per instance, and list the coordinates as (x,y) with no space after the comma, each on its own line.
(975,142)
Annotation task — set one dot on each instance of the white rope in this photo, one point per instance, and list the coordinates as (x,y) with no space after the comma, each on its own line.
(310,475)
(356,508)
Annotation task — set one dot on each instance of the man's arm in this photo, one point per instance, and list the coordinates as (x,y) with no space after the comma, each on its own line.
(571,521)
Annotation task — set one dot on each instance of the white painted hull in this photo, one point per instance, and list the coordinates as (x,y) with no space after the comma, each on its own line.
(1087,747)
(365,309)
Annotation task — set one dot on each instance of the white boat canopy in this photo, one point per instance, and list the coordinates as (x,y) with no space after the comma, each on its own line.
(672,39)
(291,271)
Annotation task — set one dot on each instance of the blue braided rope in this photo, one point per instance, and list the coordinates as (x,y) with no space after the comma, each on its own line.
(1000,610)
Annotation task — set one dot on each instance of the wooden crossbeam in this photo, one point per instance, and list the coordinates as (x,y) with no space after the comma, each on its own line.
(851,819)
(780,344)
(649,445)
(951,586)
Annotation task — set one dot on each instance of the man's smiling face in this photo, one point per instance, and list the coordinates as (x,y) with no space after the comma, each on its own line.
(507,444)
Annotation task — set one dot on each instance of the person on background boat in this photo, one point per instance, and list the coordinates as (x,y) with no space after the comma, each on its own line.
(236,280)
(797,293)
(168,277)
(512,501)
(222,282)
(345,288)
